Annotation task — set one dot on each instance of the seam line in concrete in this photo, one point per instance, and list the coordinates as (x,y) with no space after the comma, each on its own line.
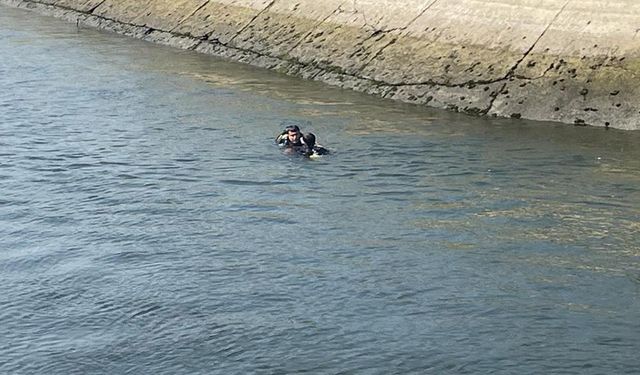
(428,44)
(302,39)
(527,52)
(393,40)
(96,6)
(493,99)
(189,16)
(421,13)
(252,20)
(512,71)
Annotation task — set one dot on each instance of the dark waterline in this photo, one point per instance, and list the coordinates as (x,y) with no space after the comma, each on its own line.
(148,224)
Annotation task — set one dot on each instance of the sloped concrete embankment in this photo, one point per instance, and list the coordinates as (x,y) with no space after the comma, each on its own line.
(571,61)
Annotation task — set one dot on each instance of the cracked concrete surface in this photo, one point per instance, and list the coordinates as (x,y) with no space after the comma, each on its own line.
(570,61)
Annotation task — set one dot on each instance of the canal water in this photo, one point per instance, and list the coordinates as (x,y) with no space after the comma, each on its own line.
(149,224)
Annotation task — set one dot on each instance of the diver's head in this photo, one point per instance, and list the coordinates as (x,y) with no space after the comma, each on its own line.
(309,139)
(293,133)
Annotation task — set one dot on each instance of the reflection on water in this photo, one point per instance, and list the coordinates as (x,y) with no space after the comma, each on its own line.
(148,224)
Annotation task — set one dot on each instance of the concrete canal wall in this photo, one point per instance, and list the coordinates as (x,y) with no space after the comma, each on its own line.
(572,61)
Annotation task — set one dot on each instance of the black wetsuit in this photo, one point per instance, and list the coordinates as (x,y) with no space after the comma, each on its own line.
(319,150)
(315,150)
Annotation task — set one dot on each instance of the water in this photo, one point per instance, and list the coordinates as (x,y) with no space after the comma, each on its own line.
(148,224)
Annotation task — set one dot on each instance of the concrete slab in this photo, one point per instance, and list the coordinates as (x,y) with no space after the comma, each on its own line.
(561,60)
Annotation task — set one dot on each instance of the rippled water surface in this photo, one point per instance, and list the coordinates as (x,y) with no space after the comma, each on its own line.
(148,224)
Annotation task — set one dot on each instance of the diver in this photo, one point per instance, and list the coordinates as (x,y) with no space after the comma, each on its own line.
(310,148)
(291,137)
